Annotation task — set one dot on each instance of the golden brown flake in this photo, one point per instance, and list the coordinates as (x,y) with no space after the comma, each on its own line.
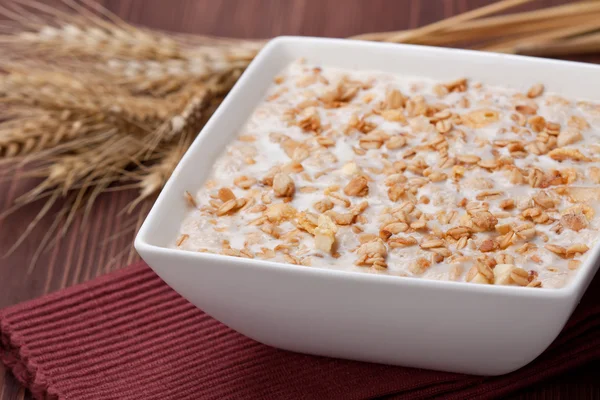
(432,243)
(190,199)
(372,253)
(455,272)
(283,185)
(420,266)
(325,233)
(358,186)
(526,109)
(401,241)
(578,123)
(468,159)
(394,99)
(519,276)
(480,118)
(576,249)
(372,140)
(394,116)
(340,199)
(443,126)
(268,178)
(574,221)
(506,240)
(552,128)
(225,194)
(323,205)
(535,91)
(507,204)
(567,137)
(558,250)
(459,232)
(543,200)
(488,245)
(582,194)
(536,147)
(484,221)
(182,239)
(231,206)
(396,192)
(537,123)
(271,230)
(395,228)
(279,212)
(488,194)
(307,221)
(395,142)
(458,85)
(309,120)
(342,219)
(474,276)
(563,153)
(244,182)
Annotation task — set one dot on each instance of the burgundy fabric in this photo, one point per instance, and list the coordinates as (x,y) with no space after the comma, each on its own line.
(127,335)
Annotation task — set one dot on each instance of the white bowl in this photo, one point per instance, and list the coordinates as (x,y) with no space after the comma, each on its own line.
(450,326)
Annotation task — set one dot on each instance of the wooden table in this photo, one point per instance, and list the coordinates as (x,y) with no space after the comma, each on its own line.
(87,250)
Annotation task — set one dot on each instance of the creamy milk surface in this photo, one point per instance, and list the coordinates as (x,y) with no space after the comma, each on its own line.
(389,174)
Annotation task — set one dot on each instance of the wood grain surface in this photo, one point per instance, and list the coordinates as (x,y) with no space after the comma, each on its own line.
(88,249)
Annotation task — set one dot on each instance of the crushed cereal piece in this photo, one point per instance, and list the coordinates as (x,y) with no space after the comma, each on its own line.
(283,185)
(358,186)
(190,199)
(325,233)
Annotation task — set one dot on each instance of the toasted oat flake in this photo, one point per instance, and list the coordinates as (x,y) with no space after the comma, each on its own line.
(358,186)
(244,182)
(325,233)
(283,185)
(535,91)
(190,199)
(182,239)
(225,194)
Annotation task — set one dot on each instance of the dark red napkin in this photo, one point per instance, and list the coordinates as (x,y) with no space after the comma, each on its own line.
(127,335)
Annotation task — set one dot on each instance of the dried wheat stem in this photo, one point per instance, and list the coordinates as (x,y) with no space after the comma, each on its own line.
(493,8)
(507,32)
(561,12)
(581,45)
(544,37)
(502,25)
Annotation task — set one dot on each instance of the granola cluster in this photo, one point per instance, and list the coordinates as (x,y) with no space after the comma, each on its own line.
(367,171)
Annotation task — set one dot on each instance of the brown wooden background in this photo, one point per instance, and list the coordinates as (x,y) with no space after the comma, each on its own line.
(87,252)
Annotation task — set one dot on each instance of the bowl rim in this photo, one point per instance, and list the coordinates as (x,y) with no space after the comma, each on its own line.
(573,288)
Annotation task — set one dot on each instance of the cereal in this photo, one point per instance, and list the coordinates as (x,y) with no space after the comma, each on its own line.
(367,171)
(283,185)
(231,206)
(372,253)
(225,194)
(190,199)
(358,186)
(535,91)
(325,233)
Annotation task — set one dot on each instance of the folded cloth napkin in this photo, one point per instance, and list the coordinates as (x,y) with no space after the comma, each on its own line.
(127,335)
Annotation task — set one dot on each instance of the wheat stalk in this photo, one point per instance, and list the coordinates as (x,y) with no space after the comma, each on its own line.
(93,104)
(89,103)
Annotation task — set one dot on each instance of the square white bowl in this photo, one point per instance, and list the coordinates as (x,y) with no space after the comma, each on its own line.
(450,326)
